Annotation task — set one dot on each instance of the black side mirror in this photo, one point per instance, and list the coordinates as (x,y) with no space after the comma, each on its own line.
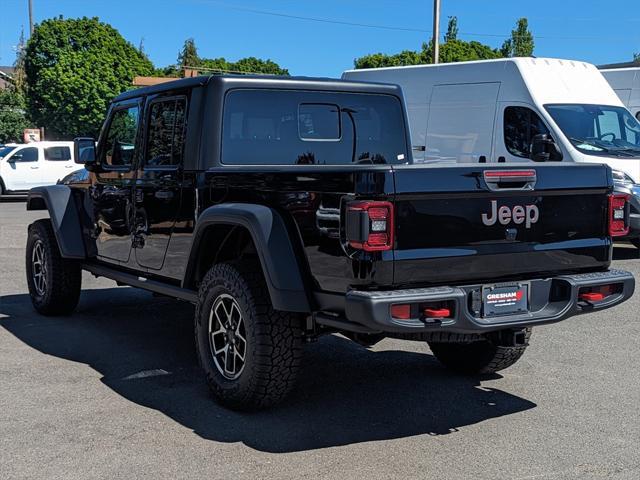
(544,149)
(84,152)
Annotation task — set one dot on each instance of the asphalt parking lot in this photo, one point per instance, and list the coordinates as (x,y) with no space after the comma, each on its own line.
(114,391)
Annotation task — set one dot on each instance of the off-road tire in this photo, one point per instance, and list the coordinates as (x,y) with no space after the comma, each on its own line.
(63,277)
(481,357)
(273,348)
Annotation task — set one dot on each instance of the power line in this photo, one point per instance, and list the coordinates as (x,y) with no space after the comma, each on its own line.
(395,28)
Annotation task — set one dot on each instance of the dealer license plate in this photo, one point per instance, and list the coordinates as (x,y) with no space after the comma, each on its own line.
(498,300)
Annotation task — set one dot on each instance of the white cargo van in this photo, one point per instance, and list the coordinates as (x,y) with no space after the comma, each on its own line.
(517,110)
(491,110)
(626,83)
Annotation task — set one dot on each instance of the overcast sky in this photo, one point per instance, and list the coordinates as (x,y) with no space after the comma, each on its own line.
(594,31)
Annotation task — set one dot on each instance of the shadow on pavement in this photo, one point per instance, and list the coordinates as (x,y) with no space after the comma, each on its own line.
(13,199)
(626,252)
(346,394)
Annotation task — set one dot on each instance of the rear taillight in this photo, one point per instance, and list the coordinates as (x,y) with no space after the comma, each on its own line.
(618,214)
(369,225)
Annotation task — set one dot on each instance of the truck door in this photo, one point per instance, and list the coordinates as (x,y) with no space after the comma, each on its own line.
(516,125)
(58,163)
(461,119)
(112,191)
(159,179)
(23,169)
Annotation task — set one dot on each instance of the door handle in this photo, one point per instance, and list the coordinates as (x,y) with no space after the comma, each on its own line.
(68,166)
(164,195)
(34,168)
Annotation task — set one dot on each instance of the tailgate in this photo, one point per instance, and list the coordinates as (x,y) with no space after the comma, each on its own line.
(474,222)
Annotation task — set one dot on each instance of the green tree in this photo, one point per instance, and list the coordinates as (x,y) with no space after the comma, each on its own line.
(521,43)
(461,51)
(188,56)
(74,67)
(452,30)
(379,60)
(451,51)
(13,115)
(636,57)
(257,65)
(19,76)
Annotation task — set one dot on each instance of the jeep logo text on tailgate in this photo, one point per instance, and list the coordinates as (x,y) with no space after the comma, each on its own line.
(527,214)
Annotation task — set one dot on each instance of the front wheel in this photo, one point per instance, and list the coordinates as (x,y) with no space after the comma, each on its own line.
(250,352)
(482,357)
(54,282)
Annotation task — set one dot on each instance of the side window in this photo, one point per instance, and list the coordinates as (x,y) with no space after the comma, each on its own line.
(609,124)
(521,124)
(120,143)
(57,154)
(165,140)
(631,129)
(29,154)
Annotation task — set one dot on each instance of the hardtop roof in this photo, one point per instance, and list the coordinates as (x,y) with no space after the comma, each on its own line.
(227,82)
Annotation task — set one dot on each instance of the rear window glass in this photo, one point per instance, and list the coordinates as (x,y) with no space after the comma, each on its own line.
(275,127)
(57,153)
(319,122)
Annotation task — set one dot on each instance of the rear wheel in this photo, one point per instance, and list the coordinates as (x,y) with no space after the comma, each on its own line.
(54,282)
(250,352)
(482,357)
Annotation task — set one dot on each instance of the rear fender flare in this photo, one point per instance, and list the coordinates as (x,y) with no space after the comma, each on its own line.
(270,236)
(58,200)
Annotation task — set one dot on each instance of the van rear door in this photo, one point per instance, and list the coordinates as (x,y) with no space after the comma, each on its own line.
(460,124)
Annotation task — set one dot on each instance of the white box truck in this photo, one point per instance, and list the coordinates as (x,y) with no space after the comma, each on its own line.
(626,83)
(518,110)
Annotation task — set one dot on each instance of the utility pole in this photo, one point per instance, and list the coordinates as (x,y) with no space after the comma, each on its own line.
(30,18)
(436,30)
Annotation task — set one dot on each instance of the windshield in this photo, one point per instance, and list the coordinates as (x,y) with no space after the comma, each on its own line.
(599,129)
(4,151)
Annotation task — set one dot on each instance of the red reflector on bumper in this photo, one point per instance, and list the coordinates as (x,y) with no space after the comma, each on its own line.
(401,311)
(437,312)
(591,296)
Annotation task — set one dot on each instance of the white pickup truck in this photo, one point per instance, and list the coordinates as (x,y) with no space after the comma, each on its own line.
(24,166)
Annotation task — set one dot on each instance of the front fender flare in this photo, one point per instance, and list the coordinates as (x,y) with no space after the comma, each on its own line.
(282,270)
(58,200)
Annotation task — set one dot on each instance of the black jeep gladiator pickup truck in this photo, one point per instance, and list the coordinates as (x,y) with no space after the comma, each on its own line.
(289,208)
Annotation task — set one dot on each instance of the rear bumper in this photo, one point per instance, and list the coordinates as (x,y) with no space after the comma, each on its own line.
(550,300)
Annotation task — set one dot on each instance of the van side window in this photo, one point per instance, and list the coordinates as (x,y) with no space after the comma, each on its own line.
(57,154)
(165,140)
(120,143)
(521,124)
(275,127)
